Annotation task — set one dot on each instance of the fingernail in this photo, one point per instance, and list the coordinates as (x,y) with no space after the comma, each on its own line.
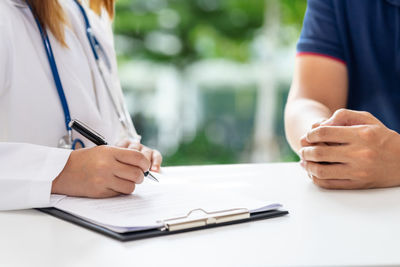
(154,168)
(300,153)
(302,163)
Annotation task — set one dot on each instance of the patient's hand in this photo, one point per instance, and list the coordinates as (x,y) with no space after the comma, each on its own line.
(352,150)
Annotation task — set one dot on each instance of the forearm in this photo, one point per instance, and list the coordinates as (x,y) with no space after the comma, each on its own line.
(300,115)
(319,88)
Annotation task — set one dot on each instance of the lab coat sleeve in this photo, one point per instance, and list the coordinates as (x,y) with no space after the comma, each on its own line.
(5,62)
(26,174)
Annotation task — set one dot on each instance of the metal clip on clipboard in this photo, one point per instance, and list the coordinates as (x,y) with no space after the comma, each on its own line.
(207,218)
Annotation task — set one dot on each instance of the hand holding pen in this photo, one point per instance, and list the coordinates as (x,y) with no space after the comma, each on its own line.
(97,139)
(100,171)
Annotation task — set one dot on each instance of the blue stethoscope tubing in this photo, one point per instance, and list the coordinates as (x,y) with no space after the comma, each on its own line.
(94,44)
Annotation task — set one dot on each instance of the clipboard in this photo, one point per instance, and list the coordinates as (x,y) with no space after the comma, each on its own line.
(173,225)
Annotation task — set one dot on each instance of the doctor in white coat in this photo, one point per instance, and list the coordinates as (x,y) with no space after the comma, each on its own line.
(32,118)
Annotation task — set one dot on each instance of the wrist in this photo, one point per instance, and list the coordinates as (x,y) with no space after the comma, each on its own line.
(392,172)
(59,183)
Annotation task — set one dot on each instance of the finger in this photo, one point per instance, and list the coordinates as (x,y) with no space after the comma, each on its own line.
(346,117)
(325,153)
(337,184)
(135,145)
(105,194)
(129,172)
(303,165)
(123,143)
(132,157)
(156,161)
(148,153)
(122,186)
(327,171)
(332,134)
(304,142)
(317,124)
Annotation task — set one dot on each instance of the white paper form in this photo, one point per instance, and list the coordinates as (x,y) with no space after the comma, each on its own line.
(153,202)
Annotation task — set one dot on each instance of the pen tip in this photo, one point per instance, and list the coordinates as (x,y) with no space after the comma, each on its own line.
(149,175)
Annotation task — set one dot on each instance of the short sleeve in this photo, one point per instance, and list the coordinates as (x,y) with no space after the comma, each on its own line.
(320,33)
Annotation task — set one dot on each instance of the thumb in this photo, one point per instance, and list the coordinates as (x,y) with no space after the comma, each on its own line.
(346,117)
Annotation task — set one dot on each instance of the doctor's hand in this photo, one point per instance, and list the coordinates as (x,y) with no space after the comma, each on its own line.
(100,172)
(154,156)
(352,150)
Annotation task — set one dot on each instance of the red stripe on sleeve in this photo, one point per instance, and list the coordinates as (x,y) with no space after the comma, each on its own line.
(299,54)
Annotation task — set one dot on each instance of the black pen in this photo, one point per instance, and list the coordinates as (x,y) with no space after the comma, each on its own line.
(97,139)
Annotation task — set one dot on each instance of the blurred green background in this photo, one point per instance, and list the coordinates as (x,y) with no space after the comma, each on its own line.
(206,80)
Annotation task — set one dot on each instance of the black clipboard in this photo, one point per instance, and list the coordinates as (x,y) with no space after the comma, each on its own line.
(130,236)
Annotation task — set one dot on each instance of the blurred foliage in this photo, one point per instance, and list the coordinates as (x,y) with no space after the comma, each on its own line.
(292,12)
(183,31)
(180,32)
(200,151)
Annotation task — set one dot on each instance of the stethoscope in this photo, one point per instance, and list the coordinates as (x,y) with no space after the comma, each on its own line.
(68,141)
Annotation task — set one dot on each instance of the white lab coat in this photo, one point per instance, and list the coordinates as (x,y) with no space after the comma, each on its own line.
(31,116)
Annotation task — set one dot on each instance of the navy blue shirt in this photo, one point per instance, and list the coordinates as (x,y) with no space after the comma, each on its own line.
(364,35)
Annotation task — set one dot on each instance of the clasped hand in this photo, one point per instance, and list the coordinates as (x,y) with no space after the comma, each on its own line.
(351,150)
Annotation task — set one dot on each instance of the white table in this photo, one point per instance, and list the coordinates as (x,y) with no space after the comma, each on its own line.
(323,228)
